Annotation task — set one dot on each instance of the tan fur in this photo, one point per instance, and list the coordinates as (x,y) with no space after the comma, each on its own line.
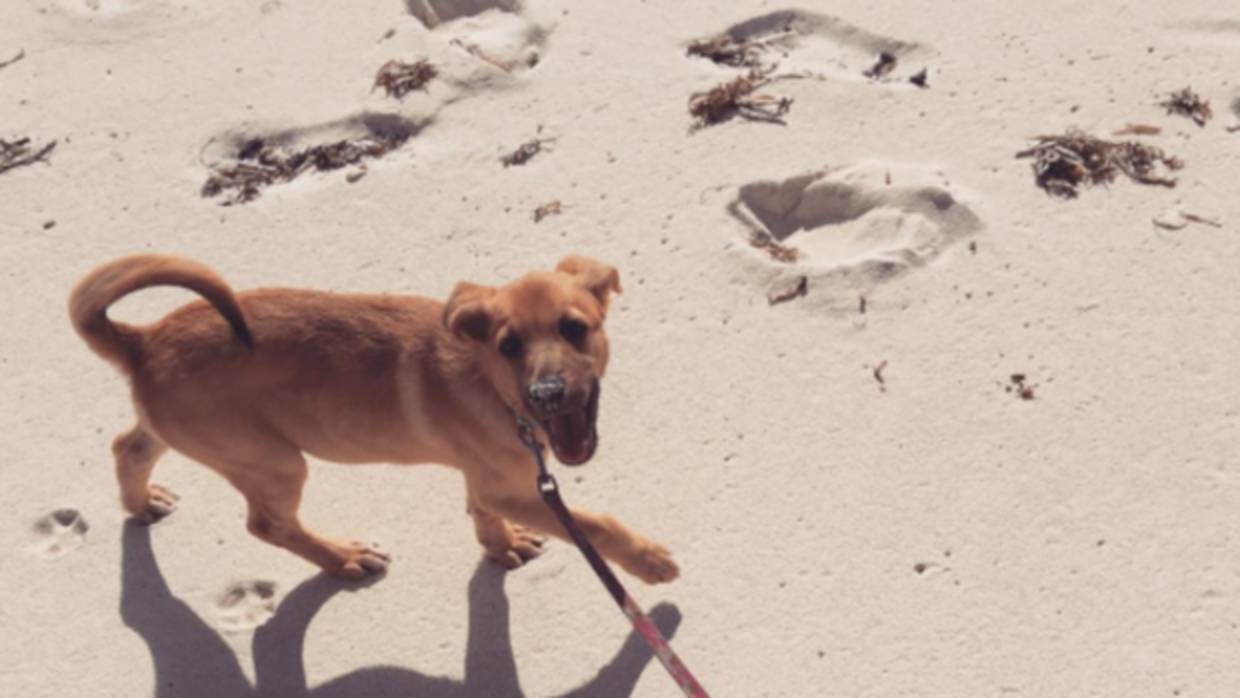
(249,383)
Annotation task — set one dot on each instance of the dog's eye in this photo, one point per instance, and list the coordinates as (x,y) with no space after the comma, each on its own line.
(510,346)
(573,330)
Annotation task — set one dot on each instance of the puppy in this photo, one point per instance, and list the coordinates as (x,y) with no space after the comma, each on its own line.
(250,383)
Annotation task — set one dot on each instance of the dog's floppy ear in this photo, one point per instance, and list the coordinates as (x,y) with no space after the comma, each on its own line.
(466,314)
(599,279)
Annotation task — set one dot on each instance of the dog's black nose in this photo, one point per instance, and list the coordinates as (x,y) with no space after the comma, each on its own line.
(546,393)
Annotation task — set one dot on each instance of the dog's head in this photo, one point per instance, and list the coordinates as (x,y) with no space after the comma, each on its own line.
(540,342)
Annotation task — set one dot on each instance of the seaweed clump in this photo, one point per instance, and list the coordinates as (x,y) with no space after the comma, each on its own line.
(260,164)
(737,97)
(1190,104)
(1064,163)
(399,79)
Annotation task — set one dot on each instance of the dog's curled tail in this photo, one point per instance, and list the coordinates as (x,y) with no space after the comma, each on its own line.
(120,343)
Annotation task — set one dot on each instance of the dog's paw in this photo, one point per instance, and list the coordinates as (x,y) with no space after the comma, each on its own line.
(520,546)
(653,564)
(360,560)
(160,502)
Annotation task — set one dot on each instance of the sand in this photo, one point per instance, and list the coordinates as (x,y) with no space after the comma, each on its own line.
(932,534)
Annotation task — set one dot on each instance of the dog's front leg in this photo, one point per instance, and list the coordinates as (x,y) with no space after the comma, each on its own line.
(506,543)
(638,555)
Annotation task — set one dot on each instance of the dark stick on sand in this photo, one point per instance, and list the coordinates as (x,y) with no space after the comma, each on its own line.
(20,55)
(18,153)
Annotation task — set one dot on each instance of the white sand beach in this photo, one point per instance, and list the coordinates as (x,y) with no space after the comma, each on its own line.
(939,434)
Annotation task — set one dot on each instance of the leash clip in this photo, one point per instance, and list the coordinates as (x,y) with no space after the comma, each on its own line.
(525,431)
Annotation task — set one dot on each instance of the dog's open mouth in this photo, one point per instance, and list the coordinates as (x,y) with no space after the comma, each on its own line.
(572,432)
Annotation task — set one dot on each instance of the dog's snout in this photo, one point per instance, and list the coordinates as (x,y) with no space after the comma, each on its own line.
(546,393)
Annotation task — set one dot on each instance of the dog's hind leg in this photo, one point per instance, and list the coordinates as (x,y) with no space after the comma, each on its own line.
(136,452)
(273,493)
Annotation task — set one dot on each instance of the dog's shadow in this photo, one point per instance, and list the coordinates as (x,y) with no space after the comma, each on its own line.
(192,660)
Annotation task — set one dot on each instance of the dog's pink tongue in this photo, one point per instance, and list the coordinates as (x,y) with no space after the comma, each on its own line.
(571,434)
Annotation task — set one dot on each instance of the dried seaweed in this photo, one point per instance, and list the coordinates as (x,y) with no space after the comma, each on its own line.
(762,240)
(1190,104)
(19,153)
(736,98)
(399,79)
(525,152)
(1065,162)
(1022,389)
(261,165)
(724,50)
(885,63)
(552,208)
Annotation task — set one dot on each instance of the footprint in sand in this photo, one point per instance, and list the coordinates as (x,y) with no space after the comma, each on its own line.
(114,21)
(850,229)
(1221,32)
(433,13)
(245,146)
(245,605)
(803,42)
(480,42)
(58,533)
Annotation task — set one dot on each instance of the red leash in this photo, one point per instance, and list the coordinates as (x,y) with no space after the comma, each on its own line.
(550,492)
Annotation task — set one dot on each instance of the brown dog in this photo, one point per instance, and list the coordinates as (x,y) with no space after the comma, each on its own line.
(251,382)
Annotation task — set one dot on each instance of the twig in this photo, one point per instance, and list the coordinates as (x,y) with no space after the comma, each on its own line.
(552,208)
(477,52)
(21,53)
(525,152)
(1138,130)
(1204,221)
(19,154)
(1178,220)
(878,375)
(795,290)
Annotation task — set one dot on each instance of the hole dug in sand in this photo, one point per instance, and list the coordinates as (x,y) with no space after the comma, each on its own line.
(850,229)
(433,13)
(481,43)
(805,42)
